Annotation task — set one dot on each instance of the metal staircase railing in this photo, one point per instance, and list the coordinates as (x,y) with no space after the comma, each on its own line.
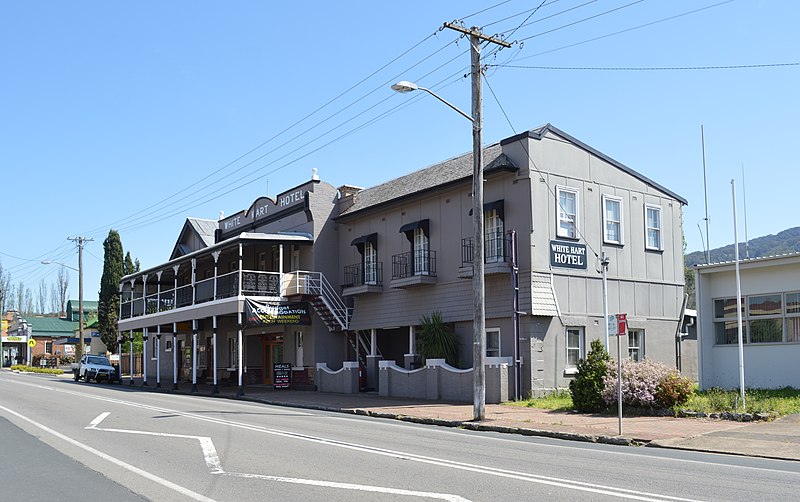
(315,284)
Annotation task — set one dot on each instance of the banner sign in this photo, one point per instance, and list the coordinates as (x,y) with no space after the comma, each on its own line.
(567,255)
(265,208)
(267,314)
(15,339)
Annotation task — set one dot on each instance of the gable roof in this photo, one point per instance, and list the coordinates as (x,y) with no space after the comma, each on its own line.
(202,228)
(540,133)
(460,168)
(431,178)
(51,326)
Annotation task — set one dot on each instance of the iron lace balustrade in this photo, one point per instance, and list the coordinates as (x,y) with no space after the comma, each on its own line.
(419,262)
(360,275)
(261,283)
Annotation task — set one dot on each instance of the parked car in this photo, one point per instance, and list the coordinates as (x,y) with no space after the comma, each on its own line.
(94,367)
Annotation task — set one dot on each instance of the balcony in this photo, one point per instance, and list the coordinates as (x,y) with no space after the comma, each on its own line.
(254,283)
(362,279)
(413,268)
(495,255)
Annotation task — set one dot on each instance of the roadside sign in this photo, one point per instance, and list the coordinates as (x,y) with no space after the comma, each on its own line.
(622,324)
(31,343)
(613,326)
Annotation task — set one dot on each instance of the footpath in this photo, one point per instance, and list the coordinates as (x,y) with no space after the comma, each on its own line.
(778,439)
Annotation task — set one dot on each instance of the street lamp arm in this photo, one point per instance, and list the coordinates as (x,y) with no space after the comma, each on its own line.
(48,262)
(404,87)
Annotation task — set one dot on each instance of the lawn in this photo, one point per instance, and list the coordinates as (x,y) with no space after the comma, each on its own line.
(778,402)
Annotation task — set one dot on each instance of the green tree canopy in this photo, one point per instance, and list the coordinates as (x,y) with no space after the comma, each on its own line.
(108,304)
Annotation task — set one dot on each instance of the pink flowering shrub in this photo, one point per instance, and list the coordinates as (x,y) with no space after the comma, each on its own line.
(645,384)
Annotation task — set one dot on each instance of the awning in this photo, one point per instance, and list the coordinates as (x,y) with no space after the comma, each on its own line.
(410,227)
(371,238)
(498,205)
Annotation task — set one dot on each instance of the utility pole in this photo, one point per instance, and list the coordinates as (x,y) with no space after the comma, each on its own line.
(478,288)
(80,241)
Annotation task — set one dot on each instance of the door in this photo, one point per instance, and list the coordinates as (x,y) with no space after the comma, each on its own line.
(273,353)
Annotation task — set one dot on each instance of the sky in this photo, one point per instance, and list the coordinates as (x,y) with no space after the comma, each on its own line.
(136,115)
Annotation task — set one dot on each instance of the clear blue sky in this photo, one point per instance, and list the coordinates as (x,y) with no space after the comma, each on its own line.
(136,115)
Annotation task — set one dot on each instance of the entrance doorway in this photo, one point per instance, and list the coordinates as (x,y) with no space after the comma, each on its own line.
(272,350)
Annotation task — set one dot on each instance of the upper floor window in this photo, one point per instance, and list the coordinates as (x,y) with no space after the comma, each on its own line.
(653,226)
(612,219)
(567,210)
(494,230)
(367,246)
(417,234)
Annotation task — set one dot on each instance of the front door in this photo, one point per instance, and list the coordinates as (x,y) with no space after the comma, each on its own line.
(273,353)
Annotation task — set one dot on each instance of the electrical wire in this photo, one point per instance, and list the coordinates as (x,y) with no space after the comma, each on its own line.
(652,68)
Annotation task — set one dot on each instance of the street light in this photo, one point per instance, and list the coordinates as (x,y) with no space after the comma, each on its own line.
(478,303)
(80,294)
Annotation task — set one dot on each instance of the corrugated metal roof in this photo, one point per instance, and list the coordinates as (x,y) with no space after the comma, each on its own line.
(51,326)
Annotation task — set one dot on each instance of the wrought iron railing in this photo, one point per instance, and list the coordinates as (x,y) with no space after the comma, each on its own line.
(358,274)
(419,262)
(495,248)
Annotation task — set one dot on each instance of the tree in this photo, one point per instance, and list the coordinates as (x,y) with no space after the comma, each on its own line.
(62,288)
(6,290)
(587,386)
(41,297)
(108,304)
(128,267)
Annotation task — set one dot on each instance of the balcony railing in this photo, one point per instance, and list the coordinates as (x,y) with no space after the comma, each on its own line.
(134,304)
(419,262)
(495,248)
(359,275)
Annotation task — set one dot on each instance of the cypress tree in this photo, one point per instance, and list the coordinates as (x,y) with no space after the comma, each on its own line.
(108,304)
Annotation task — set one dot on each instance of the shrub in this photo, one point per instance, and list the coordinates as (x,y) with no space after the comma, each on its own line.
(647,384)
(587,386)
(31,369)
(674,390)
(436,339)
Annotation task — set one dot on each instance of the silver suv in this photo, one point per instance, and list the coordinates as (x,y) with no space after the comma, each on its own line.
(95,367)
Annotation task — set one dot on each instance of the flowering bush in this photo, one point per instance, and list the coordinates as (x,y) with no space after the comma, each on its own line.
(646,384)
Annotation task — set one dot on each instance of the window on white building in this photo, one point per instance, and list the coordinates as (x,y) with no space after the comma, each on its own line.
(493,342)
(575,347)
(567,211)
(653,227)
(636,344)
(612,219)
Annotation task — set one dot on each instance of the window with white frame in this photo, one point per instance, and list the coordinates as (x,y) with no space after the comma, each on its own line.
(726,330)
(168,345)
(653,226)
(370,263)
(612,219)
(567,211)
(48,347)
(233,359)
(421,252)
(494,240)
(636,344)
(492,342)
(793,317)
(575,346)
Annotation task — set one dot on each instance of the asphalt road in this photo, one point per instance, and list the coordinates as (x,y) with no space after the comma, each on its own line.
(173,447)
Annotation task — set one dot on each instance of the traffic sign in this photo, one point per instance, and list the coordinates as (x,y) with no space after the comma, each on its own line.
(613,326)
(31,343)
(622,324)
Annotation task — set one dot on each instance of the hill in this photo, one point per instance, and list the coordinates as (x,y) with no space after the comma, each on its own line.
(787,241)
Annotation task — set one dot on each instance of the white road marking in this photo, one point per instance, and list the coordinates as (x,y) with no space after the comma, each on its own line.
(522,476)
(147,475)
(215,467)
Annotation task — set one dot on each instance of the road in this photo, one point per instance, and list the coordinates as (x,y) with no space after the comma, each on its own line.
(176,447)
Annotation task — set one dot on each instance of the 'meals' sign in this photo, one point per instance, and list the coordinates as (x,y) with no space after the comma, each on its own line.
(567,255)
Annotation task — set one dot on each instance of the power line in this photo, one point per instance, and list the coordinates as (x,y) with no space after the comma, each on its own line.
(610,11)
(652,68)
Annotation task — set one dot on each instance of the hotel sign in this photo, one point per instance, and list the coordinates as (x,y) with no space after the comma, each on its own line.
(265,207)
(565,254)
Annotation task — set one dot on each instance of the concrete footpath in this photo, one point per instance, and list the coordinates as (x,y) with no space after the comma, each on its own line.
(779,439)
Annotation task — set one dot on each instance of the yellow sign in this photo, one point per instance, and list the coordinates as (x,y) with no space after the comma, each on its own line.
(4,324)
(31,343)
